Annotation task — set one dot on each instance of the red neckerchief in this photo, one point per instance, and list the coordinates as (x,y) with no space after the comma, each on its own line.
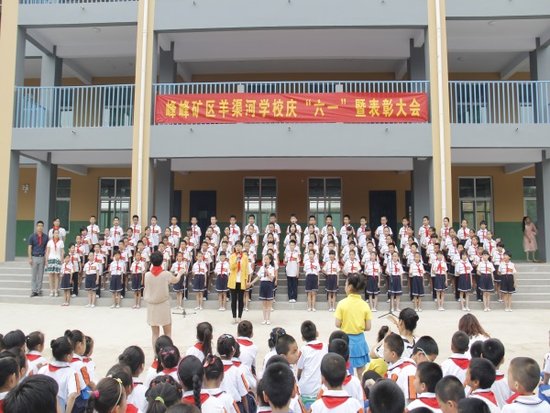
(462,363)
(86,359)
(198,346)
(239,255)
(499,376)
(53,369)
(191,399)
(39,236)
(130,408)
(237,363)
(244,342)
(347,379)
(430,401)
(512,398)
(227,366)
(334,401)
(55,243)
(169,371)
(316,346)
(156,270)
(33,357)
(488,395)
(155,364)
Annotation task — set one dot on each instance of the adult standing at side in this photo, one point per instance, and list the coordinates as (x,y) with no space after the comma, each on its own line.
(529,238)
(238,279)
(156,293)
(37,260)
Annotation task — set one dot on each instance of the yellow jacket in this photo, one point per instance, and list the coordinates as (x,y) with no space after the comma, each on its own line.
(233,269)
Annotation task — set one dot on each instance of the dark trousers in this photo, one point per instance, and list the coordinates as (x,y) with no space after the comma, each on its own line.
(237,298)
(75,283)
(98,290)
(479,294)
(124,282)
(457,293)
(292,287)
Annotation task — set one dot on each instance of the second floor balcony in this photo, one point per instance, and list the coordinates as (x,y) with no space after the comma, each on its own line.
(107,106)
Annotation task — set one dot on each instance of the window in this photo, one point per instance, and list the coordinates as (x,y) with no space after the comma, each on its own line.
(260,199)
(476,200)
(63,202)
(114,201)
(530,198)
(325,198)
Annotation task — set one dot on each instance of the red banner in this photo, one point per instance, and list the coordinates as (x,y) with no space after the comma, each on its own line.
(292,108)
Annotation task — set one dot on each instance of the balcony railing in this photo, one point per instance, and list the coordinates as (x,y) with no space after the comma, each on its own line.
(293,87)
(500,102)
(74,106)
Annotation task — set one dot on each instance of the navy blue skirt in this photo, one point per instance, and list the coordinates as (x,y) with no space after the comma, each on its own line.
(395,285)
(507,284)
(180,285)
(65,282)
(199,283)
(417,286)
(497,277)
(372,285)
(465,283)
(89,283)
(116,283)
(486,283)
(266,290)
(312,283)
(331,284)
(221,283)
(439,282)
(136,282)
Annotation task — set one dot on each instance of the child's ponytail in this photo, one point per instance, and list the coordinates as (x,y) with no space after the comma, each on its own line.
(204,335)
(197,386)
(190,373)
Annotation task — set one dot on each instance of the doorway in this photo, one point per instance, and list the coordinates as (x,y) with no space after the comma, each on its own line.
(202,204)
(383,203)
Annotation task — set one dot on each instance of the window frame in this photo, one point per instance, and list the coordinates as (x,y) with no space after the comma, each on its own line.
(321,224)
(258,215)
(528,198)
(114,199)
(475,199)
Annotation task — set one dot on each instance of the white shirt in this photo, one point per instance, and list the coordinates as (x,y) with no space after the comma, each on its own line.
(348,405)
(352,267)
(210,405)
(200,268)
(35,362)
(55,249)
(310,365)
(62,233)
(64,375)
(373,268)
(463,233)
(137,397)
(93,233)
(292,259)
(331,267)
(526,404)
(501,389)
(249,351)
(228,403)
(311,267)
(480,394)
(155,234)
(136,232)
(116,233)
(196,350)
(117,267)
(427,400)
(456,365)
(234,382)
(400,372)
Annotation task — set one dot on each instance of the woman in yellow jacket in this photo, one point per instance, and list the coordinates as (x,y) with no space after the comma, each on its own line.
(238,279)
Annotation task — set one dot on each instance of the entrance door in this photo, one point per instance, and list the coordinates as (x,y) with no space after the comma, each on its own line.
(202,204)
(383,203)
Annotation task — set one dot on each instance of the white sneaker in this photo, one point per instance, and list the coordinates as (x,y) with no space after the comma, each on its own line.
(74,295)
(264,322)
(197,308)
(88,305)
(92,306)
(117,306)
(374,310)
(220,309)
(113,306)
(314,310)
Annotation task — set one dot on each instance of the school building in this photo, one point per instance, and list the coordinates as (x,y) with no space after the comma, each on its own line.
(85,130)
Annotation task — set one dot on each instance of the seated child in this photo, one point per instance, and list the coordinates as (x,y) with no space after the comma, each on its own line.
(523,379)
(386,397)
(449,391)
(480,376)
(493,350)
(401,370)
(335,399)
(278,387)
(309,363)
(458,363)
(427,376)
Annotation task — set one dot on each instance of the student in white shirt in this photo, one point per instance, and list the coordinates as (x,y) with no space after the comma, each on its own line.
(311,270)
(116,232)
(457,364)
(507,271)
(309,363)
(117,269)
(427,376)
(464,232)
(480,376)
(292,263)
(523,379)
(93,230)
(234,230)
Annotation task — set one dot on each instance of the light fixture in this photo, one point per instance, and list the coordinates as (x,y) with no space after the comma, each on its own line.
(25,188)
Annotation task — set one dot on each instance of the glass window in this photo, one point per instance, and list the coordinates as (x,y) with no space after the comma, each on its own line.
(325,198)
(530,198)
(476,200)
(114,201)
(63,202)
(260,199)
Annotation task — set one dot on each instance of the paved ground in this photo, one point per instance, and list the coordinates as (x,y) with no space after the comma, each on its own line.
(524,332)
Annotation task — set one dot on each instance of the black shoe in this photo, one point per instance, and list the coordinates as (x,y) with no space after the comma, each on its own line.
(34,294)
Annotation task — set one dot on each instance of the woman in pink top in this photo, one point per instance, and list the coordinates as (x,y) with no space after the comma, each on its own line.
(529,238)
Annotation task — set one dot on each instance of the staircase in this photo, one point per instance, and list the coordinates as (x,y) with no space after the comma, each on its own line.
(532,285)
